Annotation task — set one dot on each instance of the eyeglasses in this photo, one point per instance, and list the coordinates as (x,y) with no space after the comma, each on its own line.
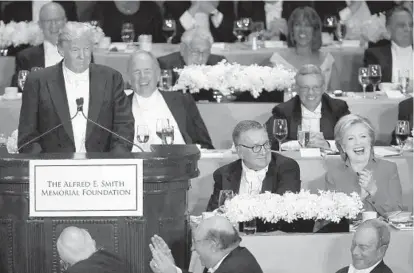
(257,148)
(56,21)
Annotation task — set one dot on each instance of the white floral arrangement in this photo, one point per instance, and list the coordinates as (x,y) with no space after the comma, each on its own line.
(272,208)
(12,143)
(374,28)
(227,78)
(22,33)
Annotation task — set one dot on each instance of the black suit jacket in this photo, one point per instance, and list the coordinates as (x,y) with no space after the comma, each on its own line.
(22,11)
(283,175)
(188,118)
(332,110)
(45,105)
(380,268)
(381,55)
(101,261)
(224,33)
(175,60)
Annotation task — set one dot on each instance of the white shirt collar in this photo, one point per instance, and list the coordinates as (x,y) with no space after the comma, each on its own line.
(306,111)
(214,268)
(404,50)
(248,170)
(48,45)
(147,101)
(72,76)
(352,269)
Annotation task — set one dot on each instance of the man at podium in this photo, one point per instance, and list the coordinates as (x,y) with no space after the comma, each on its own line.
(75,106)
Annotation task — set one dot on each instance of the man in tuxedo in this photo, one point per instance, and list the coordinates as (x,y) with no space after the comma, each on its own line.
(369,245)
(150,105)
(51,96)
(258,169)
(216,242)
(52,19)
(312,109)
(214,16)
(396,57)
(195,48)
(78,254)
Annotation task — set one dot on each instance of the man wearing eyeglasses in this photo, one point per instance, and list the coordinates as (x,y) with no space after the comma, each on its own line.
(312,109)
(258,169)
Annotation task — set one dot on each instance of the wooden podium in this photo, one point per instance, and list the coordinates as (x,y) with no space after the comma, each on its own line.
(28,245)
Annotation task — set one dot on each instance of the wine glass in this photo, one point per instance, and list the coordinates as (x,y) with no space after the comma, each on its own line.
(374,72)
(142,133)
(238,30)
(363,78)
(402,131)
(403,80)
(330,22)
(161,124)
(128,33)
(340,32)
(21,78)
(168,135)
(165,83)
(280,131)
(169,29)
(246,26)
(224,196)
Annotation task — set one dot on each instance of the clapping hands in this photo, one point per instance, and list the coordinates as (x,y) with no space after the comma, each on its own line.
(367,183)
(162,259)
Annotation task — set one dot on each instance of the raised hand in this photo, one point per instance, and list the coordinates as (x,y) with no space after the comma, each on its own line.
(367,182)
(160,245)
(160,263)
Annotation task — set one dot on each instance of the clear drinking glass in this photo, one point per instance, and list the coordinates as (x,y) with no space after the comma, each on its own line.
(160,126)
(403,80)
(142,133)
(330,23)
(374,72)
(165,83)
(280,131)
(238,30)
(250,227)
(21,78)
(168,135)
(224,196)
(363,78)
(169,29)
(402,132)
(303,136)
(340,32)
(128,33)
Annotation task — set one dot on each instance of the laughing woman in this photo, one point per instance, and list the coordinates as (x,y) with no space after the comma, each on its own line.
(375,180)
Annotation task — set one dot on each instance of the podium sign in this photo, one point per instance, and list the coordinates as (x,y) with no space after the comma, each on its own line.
(88,187)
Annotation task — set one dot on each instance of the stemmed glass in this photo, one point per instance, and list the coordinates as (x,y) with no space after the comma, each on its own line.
(280,131)
(225,195)
(330,23)
(165,83)
(169,29)
(340,32)
(161,124)
(403,80)
(374,72)
(238,30)
(142,133)
(402,131)
(246,26)
(21,78)
(128,33)
(258,28)
(165,131)
(363,78)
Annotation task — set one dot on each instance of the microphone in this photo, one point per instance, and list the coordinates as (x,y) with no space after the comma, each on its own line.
(79,103)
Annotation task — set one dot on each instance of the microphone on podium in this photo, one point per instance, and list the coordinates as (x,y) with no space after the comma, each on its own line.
(79,103)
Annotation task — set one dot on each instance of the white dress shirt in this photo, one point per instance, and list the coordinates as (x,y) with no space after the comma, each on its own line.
(402,60)
(214,268)
(146,111)
(311,119)
(77,85)
(352,269)
(36,6)
(273,10)
(201,20)
(52,55)
(251,180)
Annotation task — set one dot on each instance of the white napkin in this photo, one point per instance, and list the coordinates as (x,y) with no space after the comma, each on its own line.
(292,145)
(385,151)
(274,44)
(394,94)
(350,43)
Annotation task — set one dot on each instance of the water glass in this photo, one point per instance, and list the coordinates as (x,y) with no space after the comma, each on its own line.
(21,78)
(128,33)
(161,124)
(280,131)
(363,78)
(165,83)
(403,80)
(224,196)
(303,136)
(402,132)
(142,133)
(250,227)
(374,72)
(168,135)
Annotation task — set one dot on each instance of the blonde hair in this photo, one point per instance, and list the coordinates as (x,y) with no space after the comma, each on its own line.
(75,30)
(310,69)
(196,33)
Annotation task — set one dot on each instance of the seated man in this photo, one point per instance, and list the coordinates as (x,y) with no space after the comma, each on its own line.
(150,104)
(195,48)
(395,57)
(78,254)
(258,170)
(368,249)
(52,19)
(311,108)
(216,242)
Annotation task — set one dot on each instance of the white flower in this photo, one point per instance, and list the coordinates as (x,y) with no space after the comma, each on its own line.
(12,142)
(326,205)
(226,78)
(373,29)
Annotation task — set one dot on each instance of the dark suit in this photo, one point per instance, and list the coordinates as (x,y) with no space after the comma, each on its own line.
(188,118)
(101,261)
(283,175)
(45,105)
(224,33)
(239,260)
(381,55)
(175,60)
(405,112)
(380,268)
(332,110)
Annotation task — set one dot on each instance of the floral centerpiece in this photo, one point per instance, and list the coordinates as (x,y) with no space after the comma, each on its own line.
(228,78)
(373,29)
(272,208)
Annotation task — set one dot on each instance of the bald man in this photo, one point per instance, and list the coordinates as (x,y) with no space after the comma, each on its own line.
(78,253)
(217,243)
(52,18)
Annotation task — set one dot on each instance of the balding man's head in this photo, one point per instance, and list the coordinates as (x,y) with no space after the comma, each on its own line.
(52,19)
(75,244)
(144,72)
(214,238)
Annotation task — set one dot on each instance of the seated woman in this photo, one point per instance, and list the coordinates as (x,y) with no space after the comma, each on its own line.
(311,108)
(304,40)
(375,180)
